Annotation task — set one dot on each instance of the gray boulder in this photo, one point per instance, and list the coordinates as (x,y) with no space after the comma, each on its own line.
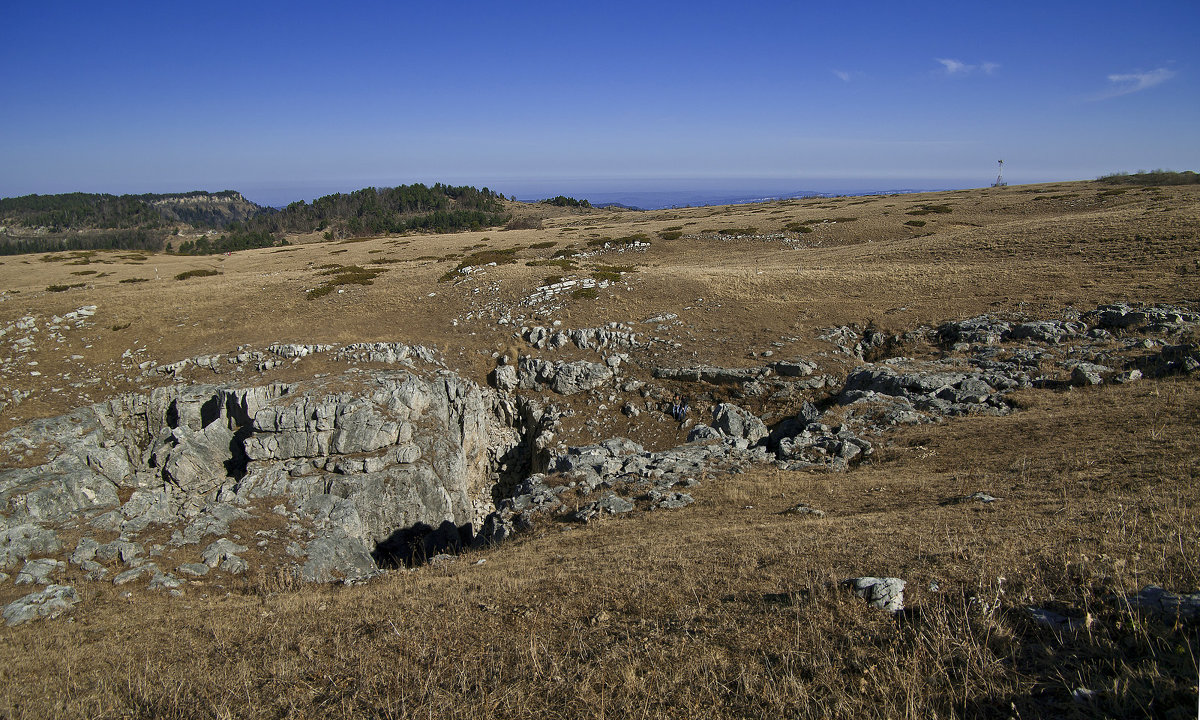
(1153,599)
(793,368)
(610,504)
(732,421)
(166,581)
(219,552)
(1047,331)
(669,500)
(701,433)
(194,569)
(1085,374)
(335,556)
(564,378)
(122,550)
(803,509)
(1117,317)
(984,330)
(504,378)
(885,593)
(38,572)
(85,550)
(50,602)
(135,573)
(576,377)
(23,541)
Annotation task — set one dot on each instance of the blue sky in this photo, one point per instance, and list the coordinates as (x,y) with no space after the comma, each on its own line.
(288,101)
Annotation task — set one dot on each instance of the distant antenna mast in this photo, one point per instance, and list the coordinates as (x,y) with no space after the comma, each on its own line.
(1000,177)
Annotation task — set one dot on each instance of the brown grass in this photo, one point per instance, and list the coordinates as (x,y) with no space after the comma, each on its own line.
(728,609)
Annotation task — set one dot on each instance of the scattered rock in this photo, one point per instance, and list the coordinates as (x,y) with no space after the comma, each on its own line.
(610,504)
(134,573)
(20,542)
(1085,374)
(803,509)
(975,497)
(223,554)
(705,373)
(732,421)
(1155,600)
(194,569)
(38,571)
(1054,620)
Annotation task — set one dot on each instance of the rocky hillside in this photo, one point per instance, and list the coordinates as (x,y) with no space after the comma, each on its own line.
(370,470)
(891,456)
(206,210)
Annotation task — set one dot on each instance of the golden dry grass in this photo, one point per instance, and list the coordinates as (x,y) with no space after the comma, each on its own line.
(727,609)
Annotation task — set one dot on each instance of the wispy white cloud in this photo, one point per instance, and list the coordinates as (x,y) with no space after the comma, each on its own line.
(953,67)
(1126,83)
(845,75)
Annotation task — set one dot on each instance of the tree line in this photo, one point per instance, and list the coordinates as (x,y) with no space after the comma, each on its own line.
(376,211)
(1152,177)
(79,221)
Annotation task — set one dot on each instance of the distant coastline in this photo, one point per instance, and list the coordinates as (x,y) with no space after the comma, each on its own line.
(666,199)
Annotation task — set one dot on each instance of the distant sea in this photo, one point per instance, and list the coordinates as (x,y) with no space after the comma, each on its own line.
(643,193)
(660,194)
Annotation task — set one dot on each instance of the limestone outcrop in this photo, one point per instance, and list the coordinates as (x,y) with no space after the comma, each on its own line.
(363,465)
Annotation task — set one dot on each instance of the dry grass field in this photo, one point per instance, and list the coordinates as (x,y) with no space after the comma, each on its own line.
(730,607)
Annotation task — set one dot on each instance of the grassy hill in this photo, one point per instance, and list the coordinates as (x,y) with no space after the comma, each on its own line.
(731,607)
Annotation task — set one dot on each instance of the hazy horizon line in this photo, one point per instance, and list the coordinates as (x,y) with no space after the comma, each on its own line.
(645,192)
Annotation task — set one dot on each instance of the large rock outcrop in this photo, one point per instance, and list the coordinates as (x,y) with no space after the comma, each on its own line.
(368,463)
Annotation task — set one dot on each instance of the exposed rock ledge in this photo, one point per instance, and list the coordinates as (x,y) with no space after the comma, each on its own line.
(363,463)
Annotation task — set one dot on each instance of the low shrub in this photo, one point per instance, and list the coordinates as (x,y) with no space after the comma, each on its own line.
(930,209)
(345,275)
(1155,177)
(524,223)
(610,273)
(196,273)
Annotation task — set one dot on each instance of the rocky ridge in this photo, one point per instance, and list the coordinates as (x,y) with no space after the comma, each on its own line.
(370,469)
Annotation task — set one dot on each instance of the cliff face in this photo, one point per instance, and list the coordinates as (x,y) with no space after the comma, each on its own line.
(369,468)
(208,209)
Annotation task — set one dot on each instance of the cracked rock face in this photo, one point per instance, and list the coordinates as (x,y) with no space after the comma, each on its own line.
(50,602)
(885,593)
(359,457)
